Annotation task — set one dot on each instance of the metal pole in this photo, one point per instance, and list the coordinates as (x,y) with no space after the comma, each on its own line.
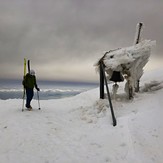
(140,25)
(38,100)
(109,98)
(101,83)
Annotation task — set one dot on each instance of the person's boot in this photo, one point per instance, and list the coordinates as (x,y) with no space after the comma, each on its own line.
(30,108)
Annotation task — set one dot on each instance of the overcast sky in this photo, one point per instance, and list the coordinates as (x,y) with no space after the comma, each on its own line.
(64,38)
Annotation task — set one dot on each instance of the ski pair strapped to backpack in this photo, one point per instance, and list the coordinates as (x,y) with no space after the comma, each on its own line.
(28,63)
(25,62)
(25,70)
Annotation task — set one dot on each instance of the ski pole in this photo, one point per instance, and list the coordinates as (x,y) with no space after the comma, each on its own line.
(38,101)
(23,99)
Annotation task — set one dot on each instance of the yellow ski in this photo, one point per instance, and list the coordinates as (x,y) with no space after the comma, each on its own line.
(25,62)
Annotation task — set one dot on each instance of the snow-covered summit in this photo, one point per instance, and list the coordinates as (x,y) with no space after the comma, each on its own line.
(79,129)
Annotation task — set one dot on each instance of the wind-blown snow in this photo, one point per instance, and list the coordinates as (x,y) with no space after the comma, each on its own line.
(128,55)
(79,129)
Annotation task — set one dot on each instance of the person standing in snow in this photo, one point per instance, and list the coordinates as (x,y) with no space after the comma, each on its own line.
(29,82)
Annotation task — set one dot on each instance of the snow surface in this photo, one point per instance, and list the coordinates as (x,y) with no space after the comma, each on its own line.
(79,129)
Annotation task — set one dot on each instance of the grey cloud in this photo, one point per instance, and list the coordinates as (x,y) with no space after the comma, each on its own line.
(64,31)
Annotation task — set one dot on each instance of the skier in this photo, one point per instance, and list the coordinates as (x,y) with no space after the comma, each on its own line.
(29,82)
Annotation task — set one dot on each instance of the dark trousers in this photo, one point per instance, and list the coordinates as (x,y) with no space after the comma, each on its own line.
(29,94)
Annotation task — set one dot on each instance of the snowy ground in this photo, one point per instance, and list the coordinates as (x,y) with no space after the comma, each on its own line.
(79,129)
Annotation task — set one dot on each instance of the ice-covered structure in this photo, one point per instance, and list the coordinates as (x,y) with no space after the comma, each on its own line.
(127,64)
